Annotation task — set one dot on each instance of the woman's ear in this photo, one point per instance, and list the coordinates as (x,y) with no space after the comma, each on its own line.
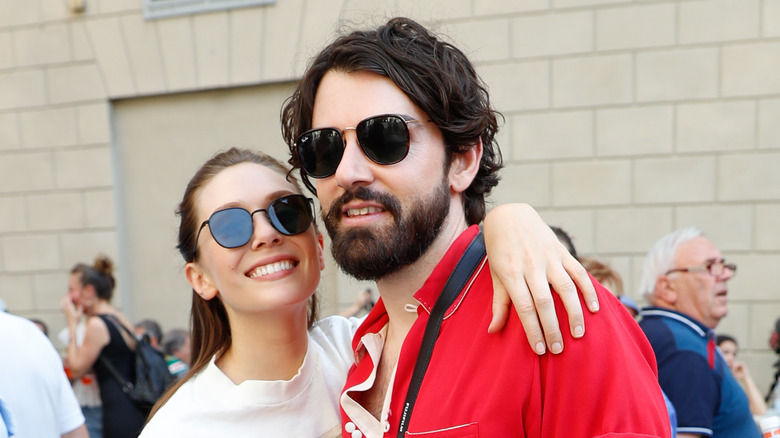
(199,281)
(321,250)
(464,167)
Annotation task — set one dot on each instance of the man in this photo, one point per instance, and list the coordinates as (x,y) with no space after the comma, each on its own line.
(685,280)
(176,347)
(151,329)
(396,130)
(35,392)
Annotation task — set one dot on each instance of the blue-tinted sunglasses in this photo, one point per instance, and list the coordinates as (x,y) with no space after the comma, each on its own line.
(233,227)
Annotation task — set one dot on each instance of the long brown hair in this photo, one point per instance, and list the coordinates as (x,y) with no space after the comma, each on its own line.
(209,325)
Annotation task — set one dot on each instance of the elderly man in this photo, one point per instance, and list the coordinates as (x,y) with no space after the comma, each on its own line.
(396,131)
(685,280)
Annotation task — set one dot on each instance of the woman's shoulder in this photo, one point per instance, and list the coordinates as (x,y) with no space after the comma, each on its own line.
(339,327)
(168,420)
(334,336)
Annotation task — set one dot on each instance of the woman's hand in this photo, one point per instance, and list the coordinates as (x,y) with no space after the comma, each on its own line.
(526,258)
(72,313)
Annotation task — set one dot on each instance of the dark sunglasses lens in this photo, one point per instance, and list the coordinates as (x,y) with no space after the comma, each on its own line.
(291,215)
(384,139)
(231,227)
(320,151)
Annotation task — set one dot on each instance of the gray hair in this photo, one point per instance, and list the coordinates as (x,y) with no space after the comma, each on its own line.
(173,340)
(661,257)
(150,328)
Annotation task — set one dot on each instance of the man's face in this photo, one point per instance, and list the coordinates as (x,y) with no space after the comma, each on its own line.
(700,294)
(380,218)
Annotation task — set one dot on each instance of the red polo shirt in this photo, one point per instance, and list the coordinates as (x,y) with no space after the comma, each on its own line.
(494,385)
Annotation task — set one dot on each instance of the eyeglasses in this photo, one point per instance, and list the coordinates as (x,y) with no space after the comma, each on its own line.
(384,139)
(716,268)
(233,227)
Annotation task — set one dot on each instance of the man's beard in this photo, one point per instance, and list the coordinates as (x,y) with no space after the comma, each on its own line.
(371,254)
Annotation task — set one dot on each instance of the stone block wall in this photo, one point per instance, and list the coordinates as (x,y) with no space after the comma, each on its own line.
(624,120)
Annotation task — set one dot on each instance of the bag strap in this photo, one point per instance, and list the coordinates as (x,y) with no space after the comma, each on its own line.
(463,271)
(126,385)
(122,326)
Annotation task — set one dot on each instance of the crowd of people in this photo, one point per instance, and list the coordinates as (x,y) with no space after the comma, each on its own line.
(75,394)
(394,132)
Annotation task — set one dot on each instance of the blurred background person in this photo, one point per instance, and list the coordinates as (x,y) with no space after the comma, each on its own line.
(86,387)
(90,292)
(37,398)
(41,325)
(610,279)
(152,330)
(685,279)
(729,348)
(773,395)
(176,347)
(362,305)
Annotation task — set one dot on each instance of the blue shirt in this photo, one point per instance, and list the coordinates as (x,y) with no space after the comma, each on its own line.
(695,377)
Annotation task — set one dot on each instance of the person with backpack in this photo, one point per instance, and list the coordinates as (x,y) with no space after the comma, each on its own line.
(107,343)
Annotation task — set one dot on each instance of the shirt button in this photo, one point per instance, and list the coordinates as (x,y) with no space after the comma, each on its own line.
(386,425)
(350,427)
(357,434)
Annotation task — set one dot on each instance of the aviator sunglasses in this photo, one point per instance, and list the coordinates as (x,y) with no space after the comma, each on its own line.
(233,227)
(383,139)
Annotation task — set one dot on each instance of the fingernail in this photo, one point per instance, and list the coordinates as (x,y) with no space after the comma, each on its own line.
(540,348)
(594,305)
(556,347)
(578,331)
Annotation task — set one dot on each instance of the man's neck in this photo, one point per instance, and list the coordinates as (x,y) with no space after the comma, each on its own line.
(397,290)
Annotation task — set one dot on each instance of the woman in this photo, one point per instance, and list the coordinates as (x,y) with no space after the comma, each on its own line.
(259,363)
(90,289)
(729,348)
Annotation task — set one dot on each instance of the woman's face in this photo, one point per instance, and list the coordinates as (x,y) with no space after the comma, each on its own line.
(235,273)
(729,350)
(76,290)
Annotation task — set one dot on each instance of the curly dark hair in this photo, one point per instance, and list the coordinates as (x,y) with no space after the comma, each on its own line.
(434,74)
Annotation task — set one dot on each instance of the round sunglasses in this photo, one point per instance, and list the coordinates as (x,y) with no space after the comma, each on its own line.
(383,139)
(233,227)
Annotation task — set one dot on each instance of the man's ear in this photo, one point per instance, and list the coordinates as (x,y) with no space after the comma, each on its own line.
(464,167)
(321,250)
(199,281)
(666,290)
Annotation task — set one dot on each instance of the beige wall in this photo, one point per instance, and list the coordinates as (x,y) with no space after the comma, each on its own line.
(624,121)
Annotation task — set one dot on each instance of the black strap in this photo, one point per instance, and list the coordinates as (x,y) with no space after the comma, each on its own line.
(465,268)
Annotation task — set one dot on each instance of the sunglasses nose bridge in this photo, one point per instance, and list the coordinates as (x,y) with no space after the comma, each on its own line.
(266,227)
(352,136)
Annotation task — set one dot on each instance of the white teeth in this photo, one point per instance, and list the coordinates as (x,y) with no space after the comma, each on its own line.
(271,268)
(362,211)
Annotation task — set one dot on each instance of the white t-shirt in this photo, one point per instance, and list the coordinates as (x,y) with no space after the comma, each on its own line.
(88,394)
(211,405)
(33,382)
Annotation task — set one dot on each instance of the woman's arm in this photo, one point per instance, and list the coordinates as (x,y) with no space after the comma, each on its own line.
(754,396)
(82,358)
(526,258)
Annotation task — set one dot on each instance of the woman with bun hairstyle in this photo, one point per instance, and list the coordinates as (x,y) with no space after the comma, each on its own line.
(90,289)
